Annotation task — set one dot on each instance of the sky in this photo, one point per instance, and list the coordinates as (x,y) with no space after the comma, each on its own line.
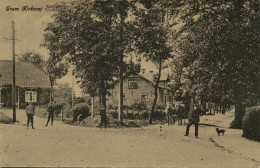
(29,30)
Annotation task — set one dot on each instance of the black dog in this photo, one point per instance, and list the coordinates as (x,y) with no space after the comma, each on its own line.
(220,131)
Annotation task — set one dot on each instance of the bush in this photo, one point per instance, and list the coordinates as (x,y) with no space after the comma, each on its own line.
(41,111)
(111,122)
(81,108)
(5,119)
(57,108)
(251,123)
(137,106)
(67,112)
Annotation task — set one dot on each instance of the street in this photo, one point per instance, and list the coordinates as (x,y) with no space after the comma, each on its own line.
(67,145)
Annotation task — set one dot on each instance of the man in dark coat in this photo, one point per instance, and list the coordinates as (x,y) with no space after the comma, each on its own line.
(50,111)
(103,116)
(194,118)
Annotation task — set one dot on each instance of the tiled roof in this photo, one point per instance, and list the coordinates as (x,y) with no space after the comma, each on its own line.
(26,75)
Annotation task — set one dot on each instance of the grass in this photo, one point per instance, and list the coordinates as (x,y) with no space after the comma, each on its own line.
(5,119)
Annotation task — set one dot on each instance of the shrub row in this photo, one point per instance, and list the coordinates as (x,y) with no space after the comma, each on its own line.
(251,123)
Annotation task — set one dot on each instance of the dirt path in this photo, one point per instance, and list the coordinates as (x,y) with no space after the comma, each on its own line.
(66,145)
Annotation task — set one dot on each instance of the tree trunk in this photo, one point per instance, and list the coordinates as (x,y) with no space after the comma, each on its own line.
(92,106)
(120,102)
(239,113)
(155,93)
(103,95)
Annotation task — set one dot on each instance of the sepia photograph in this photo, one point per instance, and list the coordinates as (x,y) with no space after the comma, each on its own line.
(130,83)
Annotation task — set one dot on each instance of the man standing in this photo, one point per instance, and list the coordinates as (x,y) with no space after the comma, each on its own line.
(103,116)
(194,118)
(50,111)
(30,111)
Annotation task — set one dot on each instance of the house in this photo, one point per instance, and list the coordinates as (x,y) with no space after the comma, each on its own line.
(31,83)
(140,88)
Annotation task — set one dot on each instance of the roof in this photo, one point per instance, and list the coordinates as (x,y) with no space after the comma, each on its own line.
(26,75)
(146,79)
(150,75)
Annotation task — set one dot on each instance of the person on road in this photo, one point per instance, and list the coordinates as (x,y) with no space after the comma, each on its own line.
(194,118)
(170,111)
(50,111)
(30,111)
(103,116)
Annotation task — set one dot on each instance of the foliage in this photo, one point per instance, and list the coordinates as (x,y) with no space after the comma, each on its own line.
(67,112)
(81,108)
(5,119)
(78,100)
(51,66)
(219,46)
(152,37)
(251,123)
(62,94)
(138,106)
(34,58)
(112,122)
(41,111)
(93,35)
(58,108)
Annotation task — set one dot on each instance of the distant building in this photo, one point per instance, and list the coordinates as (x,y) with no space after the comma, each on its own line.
(140,88)
(30,81)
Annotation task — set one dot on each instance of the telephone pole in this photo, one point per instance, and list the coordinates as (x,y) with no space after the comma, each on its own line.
(13,86)
(13,67)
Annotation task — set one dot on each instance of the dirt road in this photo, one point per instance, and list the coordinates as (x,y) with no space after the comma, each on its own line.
(66,145)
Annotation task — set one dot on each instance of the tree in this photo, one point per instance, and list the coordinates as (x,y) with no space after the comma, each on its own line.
(94,37)
(34,58)
(153,38)
(62,94)
(220,41)
(54,70)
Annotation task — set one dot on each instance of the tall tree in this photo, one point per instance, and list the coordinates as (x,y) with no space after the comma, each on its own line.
(153,38)
(220,39)
(94,36)
(34,58)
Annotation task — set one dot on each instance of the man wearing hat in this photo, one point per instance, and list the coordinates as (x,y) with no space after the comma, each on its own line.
(50,111)
(194,118)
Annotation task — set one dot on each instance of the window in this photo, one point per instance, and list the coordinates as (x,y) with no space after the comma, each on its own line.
(132,84)
(144,98)
(30,96)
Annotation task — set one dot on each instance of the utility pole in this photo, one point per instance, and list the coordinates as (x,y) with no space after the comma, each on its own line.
(13,67)
(13,86)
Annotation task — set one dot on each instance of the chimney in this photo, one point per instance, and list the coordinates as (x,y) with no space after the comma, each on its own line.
(143,71)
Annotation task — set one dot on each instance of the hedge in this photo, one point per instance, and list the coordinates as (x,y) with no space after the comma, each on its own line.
(251,123)
(81,108)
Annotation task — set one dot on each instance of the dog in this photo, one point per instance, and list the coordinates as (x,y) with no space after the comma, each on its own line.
(220,131)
